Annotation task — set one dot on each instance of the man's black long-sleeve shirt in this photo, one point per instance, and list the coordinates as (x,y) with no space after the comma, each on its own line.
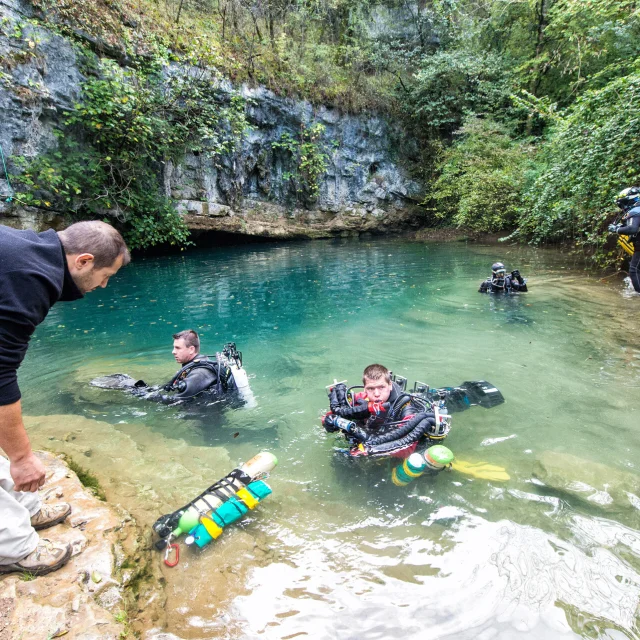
(33,277)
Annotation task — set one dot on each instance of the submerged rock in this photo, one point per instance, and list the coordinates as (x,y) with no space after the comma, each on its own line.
(591,481)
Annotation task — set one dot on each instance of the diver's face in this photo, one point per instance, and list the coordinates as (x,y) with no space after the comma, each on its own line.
(498,276)
(181,352)
(377,390)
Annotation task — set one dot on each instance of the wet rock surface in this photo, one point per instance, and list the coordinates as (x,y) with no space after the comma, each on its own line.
(85,598)
(592,482)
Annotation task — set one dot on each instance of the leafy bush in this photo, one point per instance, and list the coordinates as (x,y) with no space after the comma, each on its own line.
(117,140)
(452,84)
(307,160)
(592,153)
(482,176)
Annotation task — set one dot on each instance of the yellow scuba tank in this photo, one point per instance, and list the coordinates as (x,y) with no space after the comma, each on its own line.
(626,245)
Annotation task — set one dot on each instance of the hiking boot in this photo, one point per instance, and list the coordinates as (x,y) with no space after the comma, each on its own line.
(47,557)
(49,515)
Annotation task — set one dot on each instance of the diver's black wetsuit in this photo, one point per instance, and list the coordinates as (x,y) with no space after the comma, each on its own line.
(200,374)
(632,229)
(379,428)
(511,284)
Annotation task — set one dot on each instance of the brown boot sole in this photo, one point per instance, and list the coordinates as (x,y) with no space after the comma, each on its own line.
(37,571)
(46,525)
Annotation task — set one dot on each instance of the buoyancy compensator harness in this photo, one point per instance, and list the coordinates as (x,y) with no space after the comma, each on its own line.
(386,432)
(214,364)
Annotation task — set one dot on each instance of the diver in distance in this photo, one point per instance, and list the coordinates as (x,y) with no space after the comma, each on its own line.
(501,282)
(628,201)
(200,376)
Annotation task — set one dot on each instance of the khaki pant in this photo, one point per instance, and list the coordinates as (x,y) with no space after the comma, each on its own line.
(17,537)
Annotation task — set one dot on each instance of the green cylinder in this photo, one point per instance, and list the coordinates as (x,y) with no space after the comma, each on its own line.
(411,468)
(188,520)
(438,457)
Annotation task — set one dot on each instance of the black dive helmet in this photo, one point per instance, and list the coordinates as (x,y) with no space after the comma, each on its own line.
(498,272)
(628,198)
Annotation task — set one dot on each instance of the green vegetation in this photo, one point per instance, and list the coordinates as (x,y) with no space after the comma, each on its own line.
(87,479)
(117,141)
(307,161)
(534,106)
(523,113)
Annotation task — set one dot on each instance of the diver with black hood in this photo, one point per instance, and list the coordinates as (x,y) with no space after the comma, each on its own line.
(628,201)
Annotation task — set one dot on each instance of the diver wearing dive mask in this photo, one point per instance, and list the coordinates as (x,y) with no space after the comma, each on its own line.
(503,282)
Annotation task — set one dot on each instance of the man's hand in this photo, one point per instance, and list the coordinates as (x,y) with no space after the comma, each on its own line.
(27,473)
(613,228)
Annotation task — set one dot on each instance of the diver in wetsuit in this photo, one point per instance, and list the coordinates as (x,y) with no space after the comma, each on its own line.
(629,201)
(501,282)
(198,373)
(382,420)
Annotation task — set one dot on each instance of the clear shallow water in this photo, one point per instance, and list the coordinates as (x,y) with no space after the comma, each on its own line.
(338,551)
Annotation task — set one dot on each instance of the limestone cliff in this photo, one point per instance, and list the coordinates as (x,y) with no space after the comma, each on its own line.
(364,188)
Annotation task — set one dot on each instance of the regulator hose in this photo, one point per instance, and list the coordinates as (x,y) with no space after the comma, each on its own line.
(405,428)
(401,443)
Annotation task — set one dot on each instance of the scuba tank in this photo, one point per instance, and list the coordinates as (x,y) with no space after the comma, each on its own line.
(210,525)
(413,467)
(434,460)
(187,518)
(233,359)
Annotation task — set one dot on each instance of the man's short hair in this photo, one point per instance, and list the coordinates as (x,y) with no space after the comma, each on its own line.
(190,338)
(99,239)
(376,372)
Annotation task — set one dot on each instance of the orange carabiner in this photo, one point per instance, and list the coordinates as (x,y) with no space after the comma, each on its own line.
(175,546)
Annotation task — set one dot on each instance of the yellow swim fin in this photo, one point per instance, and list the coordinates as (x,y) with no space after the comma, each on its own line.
(482,470)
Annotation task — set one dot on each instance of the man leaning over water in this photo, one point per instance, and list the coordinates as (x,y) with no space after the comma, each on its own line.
(36,271)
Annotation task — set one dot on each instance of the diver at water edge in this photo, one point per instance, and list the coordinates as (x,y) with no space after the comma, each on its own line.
(628,201)
(385,420)
(502,282)
(200,376)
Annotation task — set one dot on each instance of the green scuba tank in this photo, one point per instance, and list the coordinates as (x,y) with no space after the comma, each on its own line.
(411,468)
(437,458)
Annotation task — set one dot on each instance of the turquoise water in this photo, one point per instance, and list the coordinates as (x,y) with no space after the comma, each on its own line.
(338,551)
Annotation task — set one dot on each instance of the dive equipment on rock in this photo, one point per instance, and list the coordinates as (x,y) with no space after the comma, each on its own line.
(202,508)
(211,525)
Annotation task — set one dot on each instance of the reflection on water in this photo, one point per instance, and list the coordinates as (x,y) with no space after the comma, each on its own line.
(338,550)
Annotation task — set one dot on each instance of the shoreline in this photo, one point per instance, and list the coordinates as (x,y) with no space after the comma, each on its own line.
(94,594)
